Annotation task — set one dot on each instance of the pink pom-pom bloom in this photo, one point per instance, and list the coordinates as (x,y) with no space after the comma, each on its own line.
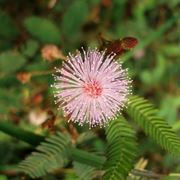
(91,88)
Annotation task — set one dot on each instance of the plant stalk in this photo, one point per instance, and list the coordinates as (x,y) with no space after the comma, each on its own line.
(34,140)
(26,136)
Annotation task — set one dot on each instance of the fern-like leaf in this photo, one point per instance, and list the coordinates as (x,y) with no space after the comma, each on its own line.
(121,150)
(51,154)
(145,115)
(83,171)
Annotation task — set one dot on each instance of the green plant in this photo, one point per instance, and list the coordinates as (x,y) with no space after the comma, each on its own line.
(146,116)
(50,155)
(121,151)
(140,143)
(118,160)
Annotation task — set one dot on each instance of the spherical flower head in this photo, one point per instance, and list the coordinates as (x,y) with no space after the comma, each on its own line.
(91,88)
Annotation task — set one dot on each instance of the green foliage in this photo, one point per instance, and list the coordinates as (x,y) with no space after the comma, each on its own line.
(50,155)
(83,171)
(155,76)
(20,134)
(118,11)
(7,28)
(151,37)
(171,114)
(30,48)
(2,177)
(8,101)
(78,11)
(86,137)
(171,50)
(42,29)
(145,115)
(121,150)
(26,26)
(87,158)
(11,61)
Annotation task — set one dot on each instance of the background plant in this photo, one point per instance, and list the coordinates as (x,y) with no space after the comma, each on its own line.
(140,143)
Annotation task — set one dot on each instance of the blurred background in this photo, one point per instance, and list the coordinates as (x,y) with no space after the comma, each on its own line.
(36,36)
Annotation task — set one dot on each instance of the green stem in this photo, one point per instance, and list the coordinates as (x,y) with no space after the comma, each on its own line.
(8,168)
(14,131)
(34,139)
(87,158)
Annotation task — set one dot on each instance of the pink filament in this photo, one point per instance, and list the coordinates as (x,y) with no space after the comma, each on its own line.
(93,89)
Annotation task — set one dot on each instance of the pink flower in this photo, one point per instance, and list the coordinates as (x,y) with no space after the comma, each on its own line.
(91,88)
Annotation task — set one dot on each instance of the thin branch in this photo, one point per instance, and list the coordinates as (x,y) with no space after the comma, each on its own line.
(145,173)
(40,73)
